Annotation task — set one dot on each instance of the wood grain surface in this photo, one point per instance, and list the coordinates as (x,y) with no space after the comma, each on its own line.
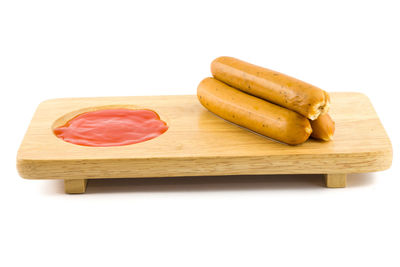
(199,143)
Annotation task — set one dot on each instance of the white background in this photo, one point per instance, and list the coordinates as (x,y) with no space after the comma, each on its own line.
(51,49)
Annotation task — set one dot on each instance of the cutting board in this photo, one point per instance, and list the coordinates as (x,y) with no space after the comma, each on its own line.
(198,143)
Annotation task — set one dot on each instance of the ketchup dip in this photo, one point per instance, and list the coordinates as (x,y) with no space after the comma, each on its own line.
(112,127)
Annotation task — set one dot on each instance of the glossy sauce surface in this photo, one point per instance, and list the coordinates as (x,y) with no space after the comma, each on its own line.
(112,127)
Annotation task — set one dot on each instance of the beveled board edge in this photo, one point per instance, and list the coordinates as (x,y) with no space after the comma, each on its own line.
(140,168)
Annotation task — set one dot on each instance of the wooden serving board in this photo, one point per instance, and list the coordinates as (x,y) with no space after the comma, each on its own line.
(198,143)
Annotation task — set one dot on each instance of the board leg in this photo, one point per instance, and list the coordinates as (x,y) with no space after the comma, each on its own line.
(335,180)
(75,186)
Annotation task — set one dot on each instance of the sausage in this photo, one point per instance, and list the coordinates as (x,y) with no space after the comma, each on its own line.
(323,128)
(253,113)
(278,88)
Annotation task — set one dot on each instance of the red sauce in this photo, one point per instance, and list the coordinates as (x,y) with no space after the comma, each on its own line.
(112,127)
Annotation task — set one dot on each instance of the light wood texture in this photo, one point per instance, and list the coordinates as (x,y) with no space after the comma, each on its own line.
(199,143)
(337,180)
(76,186)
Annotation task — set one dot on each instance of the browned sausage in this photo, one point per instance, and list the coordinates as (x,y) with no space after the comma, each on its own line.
(323,128)
(253,113)
(273,86)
